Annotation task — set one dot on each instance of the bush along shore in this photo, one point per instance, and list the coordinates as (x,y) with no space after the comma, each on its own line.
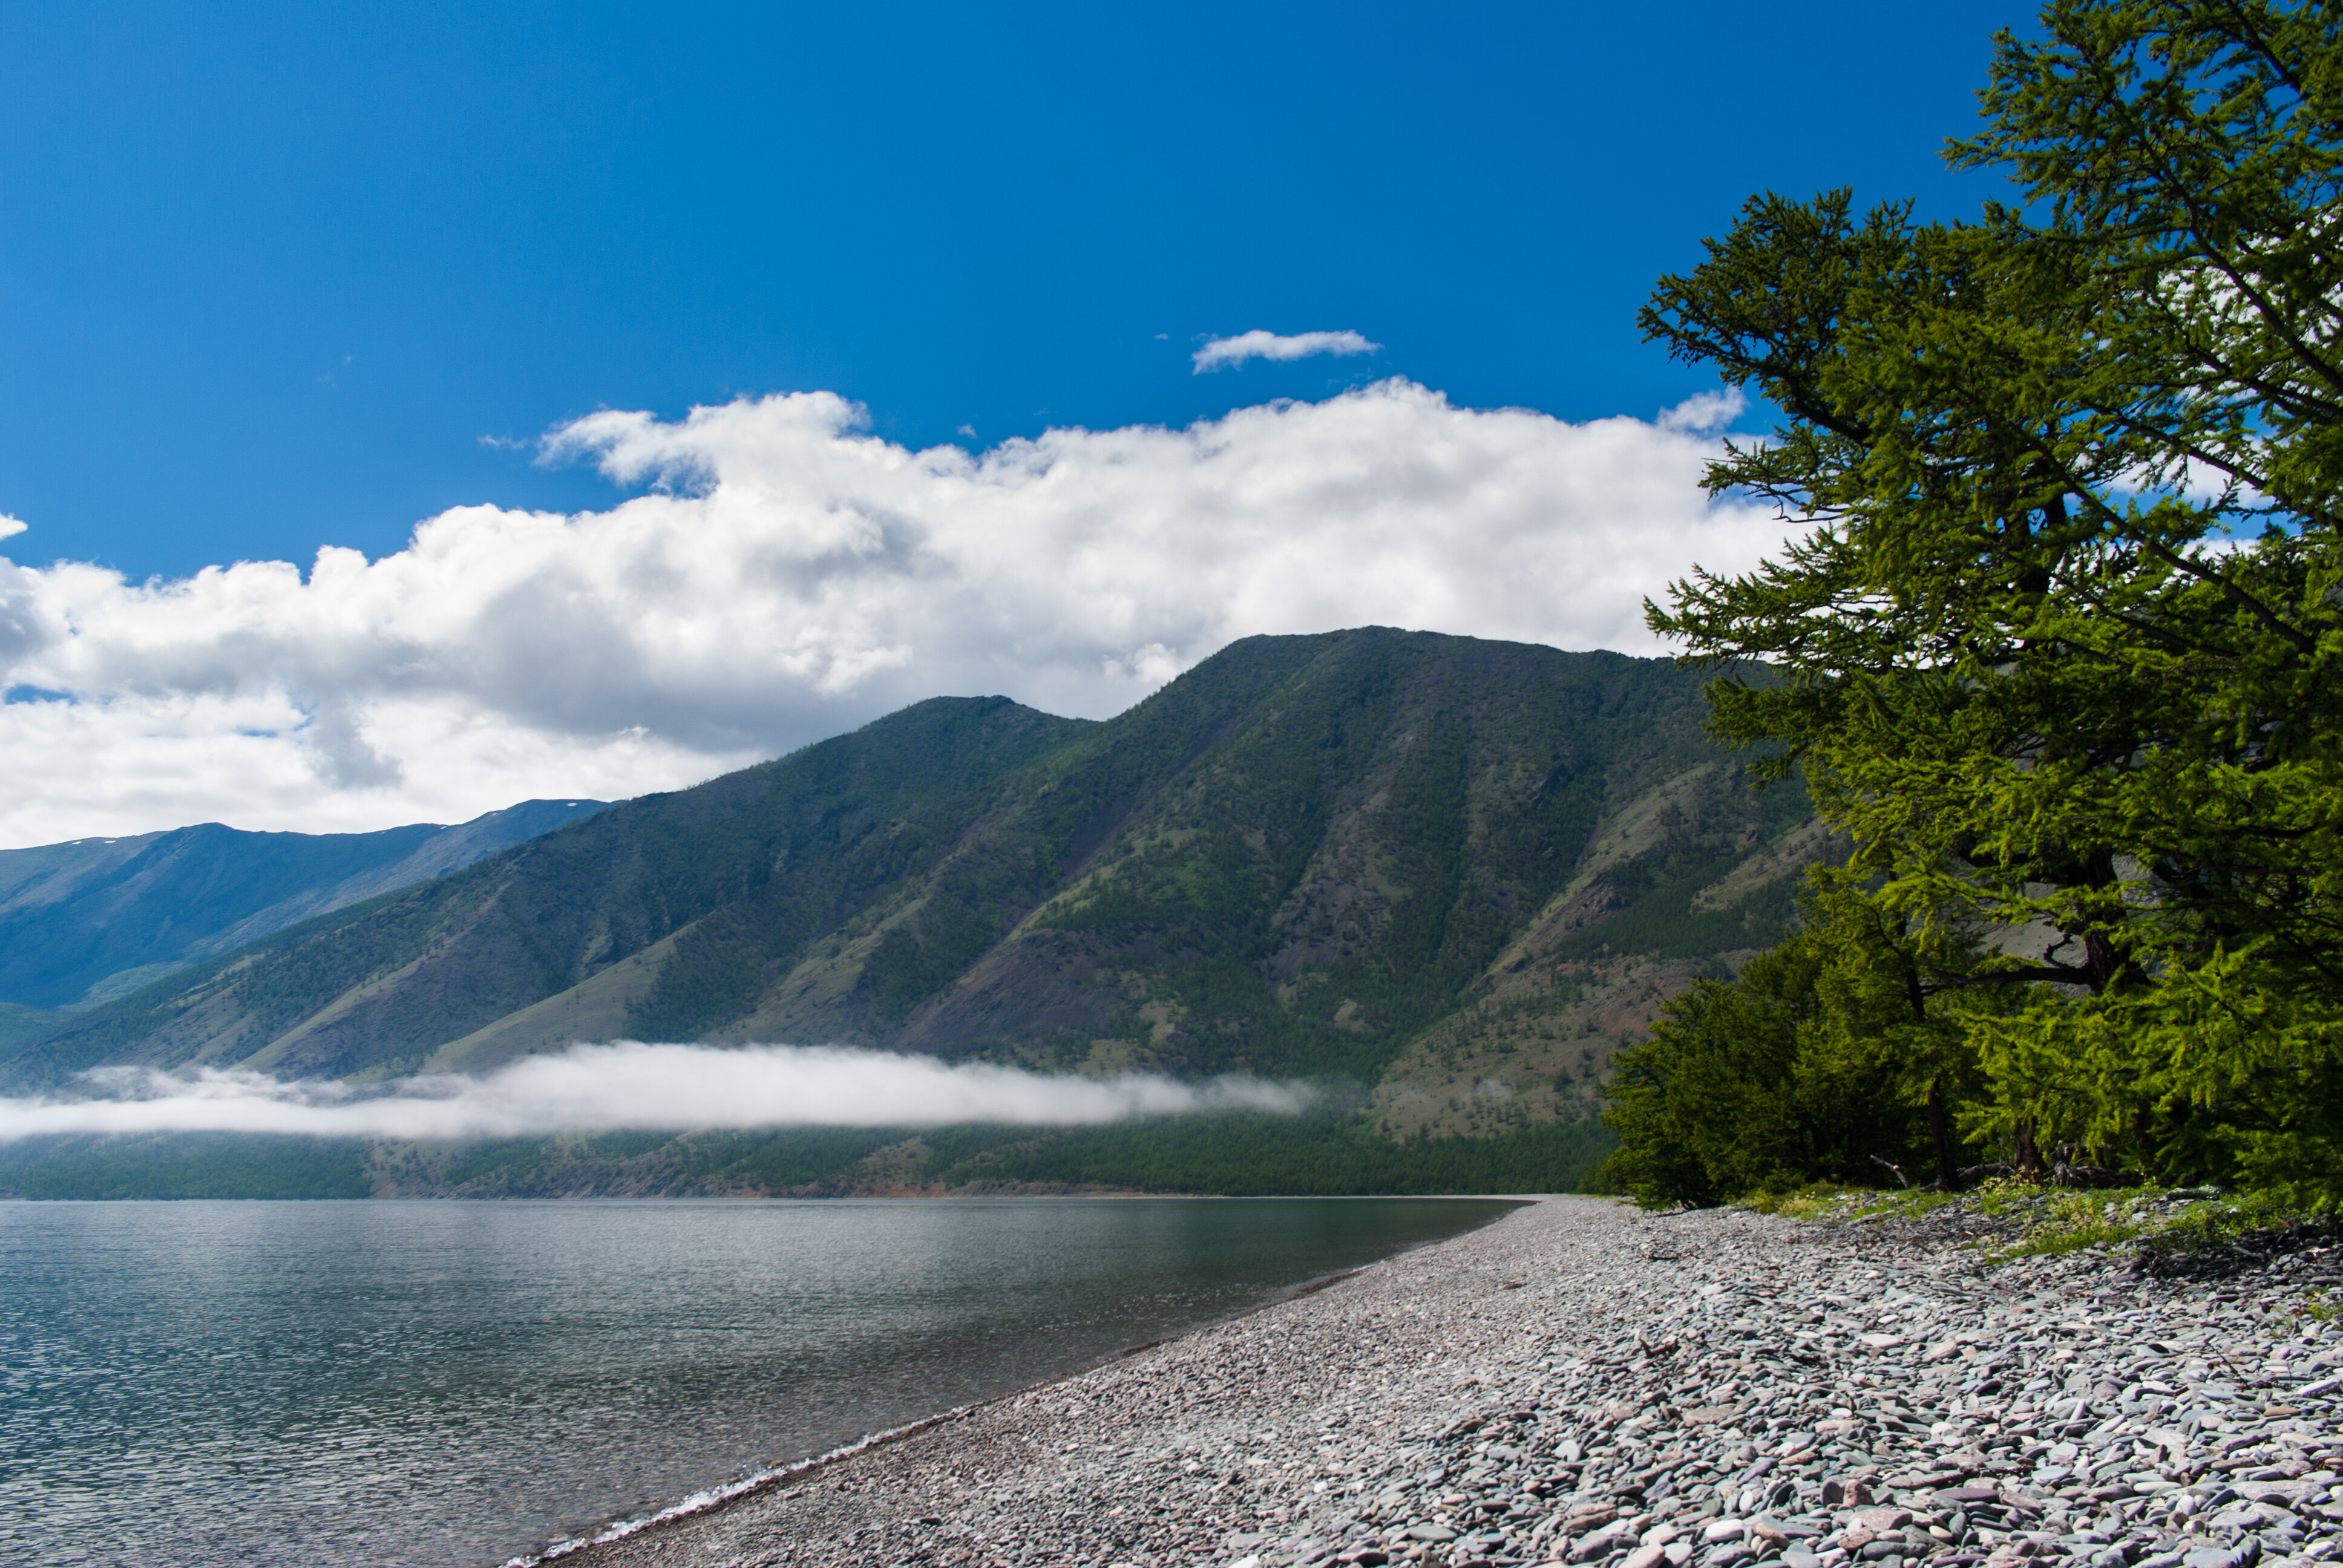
(2079,736)
(1583,1383)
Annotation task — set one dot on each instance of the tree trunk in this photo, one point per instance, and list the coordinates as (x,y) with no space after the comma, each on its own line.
(2029,1158)
(1949,1172)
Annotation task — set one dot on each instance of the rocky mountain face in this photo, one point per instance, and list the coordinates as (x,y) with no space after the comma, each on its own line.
(1457,870)
(84,921)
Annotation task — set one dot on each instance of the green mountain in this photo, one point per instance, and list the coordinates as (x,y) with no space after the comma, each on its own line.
(84,922)
(1452,872)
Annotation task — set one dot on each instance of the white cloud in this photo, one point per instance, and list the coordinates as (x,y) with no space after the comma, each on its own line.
(598,1088)
(1222,352)
(789,577)
(1705,414)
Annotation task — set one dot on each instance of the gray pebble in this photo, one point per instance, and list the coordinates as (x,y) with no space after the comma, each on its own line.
(1712,1390)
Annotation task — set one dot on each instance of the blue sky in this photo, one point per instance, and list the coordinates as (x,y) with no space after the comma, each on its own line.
(271,273)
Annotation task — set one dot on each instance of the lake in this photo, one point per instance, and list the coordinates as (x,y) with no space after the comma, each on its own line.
(459,1382)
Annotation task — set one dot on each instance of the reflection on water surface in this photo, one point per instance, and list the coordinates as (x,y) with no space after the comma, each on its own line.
(436,1382)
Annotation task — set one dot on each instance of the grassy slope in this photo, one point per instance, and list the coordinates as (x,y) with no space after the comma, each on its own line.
(20,1026)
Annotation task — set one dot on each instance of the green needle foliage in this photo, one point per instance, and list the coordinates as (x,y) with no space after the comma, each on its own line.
(1839,1055)
(2063,648)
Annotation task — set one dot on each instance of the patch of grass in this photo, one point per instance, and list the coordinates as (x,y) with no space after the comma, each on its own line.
(1814,1201)
(1914,1204)
(2056,1222)
(2239,1214)
(2005,1195)
(2041,1219)
(2193,1232)
(2073,1233)
(2227,1234)
(1835,1202)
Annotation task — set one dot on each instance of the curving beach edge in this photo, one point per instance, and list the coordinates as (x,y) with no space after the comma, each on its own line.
(1579,1382)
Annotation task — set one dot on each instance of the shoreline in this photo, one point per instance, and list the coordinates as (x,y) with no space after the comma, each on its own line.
(1579,1382)
(708,1499)
(722,1494)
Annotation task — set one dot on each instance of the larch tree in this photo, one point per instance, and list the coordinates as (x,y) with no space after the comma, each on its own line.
(2061,646)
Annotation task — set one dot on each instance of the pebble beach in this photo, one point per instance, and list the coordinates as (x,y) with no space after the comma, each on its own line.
(1585,1385)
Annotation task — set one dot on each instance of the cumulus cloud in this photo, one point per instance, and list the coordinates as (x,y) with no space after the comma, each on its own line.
(783,576)
(1222,352)
(628,1084)
(1708,413)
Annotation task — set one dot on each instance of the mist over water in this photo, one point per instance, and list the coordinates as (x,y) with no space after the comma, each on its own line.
(630,1084)
(339,1384)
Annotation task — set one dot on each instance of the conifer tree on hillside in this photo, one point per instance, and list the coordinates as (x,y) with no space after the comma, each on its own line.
(2062,649)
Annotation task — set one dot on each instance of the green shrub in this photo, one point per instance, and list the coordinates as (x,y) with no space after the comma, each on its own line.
(1761,1083)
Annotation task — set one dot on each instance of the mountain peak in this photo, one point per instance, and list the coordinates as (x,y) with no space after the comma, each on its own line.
(1459,868)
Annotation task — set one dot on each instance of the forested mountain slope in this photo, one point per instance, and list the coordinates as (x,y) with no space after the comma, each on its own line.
(1324,855)
(97,918)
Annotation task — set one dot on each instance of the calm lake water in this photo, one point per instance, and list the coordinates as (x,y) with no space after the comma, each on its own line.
(457,1382)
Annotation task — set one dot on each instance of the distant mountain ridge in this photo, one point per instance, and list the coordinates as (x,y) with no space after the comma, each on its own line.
(1456,871)
(84,921)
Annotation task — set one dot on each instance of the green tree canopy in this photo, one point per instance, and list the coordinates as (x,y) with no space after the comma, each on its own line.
(1838,1054)
(2062,649)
